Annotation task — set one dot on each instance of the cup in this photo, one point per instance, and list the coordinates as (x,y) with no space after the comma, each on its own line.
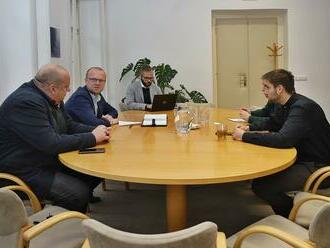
(221,130)
(183,120)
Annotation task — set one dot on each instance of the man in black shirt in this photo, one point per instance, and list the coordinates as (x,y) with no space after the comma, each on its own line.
(299,122)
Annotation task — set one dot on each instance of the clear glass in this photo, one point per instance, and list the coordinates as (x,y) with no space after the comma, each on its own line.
(201,113)
(183,120)
(221,130)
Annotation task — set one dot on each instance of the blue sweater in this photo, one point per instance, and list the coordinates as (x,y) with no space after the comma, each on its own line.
(80,107)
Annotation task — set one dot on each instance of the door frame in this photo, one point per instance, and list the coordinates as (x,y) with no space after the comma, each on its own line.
(282,35)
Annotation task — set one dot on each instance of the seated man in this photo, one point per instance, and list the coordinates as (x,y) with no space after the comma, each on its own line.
(303,126)
(140,93)
(257,118)
(34,129)
(87,105)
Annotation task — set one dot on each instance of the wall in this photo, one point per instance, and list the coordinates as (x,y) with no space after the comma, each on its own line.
(179,33)
(18,57)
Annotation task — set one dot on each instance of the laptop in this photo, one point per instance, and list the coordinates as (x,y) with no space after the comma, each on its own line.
(163,102)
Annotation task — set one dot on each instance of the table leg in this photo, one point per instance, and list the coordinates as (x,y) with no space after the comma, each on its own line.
(176,202)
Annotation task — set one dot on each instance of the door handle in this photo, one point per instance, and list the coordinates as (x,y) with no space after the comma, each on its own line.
(242,80)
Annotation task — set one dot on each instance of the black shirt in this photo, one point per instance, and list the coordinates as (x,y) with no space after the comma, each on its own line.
(146,95)
(303,126)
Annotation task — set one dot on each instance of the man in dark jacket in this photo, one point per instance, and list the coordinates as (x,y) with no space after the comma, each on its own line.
(257,118)
(87,105)
(303,126)
(34,129)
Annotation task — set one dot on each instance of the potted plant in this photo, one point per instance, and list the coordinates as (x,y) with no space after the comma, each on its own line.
(164,75)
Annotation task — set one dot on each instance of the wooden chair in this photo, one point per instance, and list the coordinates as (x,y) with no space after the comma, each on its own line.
(203,235)
(52,226)
(312,198)
(278,232)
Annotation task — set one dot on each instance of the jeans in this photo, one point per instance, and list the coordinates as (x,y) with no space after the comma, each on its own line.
(273,188)
(72,190)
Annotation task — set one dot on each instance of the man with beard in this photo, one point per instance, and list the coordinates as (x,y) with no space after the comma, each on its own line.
(141,92)
(299,122)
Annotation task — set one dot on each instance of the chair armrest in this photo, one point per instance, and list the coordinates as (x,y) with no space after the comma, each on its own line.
(296,207)
(35,204)
(311,179)
(13,179)
(319,181)
(221,240)
(44,225)
(285,237)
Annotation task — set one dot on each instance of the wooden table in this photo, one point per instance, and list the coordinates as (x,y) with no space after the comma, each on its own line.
(158,155)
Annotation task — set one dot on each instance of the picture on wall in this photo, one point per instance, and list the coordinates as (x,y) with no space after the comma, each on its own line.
(55,42)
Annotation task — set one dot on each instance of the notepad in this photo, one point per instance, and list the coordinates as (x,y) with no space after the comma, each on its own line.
(153,120)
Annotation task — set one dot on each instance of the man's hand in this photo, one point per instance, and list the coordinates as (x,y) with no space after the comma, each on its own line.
(238,132)
(243,127)
(110,119)
(244,114)
(101,134)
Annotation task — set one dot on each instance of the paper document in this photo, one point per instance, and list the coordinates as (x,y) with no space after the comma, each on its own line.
(129,123)
(236,119)
(155,120)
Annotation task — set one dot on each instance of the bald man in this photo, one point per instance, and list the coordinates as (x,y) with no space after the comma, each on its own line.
(34,129)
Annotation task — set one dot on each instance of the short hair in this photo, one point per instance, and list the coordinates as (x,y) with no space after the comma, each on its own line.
(50,73)
(281,77)
(145,68)
(94,68)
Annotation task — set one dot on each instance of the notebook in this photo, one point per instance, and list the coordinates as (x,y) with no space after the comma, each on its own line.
(163,102)
(154,120)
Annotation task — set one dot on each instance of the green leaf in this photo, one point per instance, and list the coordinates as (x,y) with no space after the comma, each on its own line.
(197,97)
(128,68)
(194,95)
(164,75)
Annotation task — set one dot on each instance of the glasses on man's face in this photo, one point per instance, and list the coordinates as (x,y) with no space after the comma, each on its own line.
(94,80)
(148,78)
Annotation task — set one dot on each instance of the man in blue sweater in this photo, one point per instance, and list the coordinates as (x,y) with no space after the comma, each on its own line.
(87,105)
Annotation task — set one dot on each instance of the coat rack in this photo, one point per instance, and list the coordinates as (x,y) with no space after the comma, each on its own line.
(275,48)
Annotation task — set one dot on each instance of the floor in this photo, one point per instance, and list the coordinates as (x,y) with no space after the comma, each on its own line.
(141,209)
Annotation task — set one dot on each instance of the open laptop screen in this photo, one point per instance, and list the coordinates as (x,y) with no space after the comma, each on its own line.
(163,102)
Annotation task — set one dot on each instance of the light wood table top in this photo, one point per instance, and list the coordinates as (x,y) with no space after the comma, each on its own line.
(158,155)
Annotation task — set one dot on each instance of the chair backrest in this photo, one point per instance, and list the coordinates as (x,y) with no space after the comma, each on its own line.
(319,231)
(12,218)
(202,235)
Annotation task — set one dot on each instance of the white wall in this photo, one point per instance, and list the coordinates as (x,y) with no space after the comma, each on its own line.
(18,57)
(178,32)
(60,17)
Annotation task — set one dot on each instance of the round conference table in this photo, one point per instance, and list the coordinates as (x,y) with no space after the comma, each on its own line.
(158,155)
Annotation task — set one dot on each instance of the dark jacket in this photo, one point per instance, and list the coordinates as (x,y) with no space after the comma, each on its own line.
(304,127)
(80,107)
(33,132)
(259,117)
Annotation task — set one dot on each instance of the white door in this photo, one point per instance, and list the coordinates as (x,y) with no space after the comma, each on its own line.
(242,58)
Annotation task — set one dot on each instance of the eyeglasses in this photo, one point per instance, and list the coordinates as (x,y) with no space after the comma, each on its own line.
(94,80)
(148,78)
